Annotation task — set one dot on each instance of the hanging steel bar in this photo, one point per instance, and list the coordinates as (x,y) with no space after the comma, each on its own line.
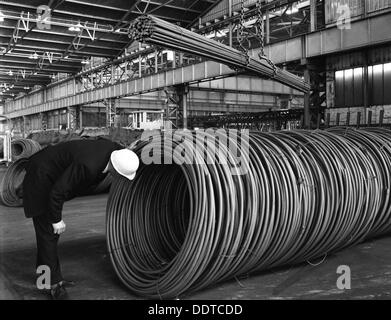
(158,32)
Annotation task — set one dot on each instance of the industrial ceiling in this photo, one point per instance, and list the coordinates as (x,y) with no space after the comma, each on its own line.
(31,54)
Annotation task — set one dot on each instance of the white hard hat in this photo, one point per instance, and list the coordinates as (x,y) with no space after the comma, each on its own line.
(125,162)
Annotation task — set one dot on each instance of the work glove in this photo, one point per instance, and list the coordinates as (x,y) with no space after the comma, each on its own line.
(59,227)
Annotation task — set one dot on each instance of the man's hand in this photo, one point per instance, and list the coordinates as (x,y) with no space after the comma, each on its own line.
(59,227)
(133,144)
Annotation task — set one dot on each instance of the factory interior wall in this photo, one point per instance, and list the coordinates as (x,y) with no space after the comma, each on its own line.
(358,87)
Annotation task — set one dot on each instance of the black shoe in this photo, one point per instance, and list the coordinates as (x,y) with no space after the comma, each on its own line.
(67,284)
(58,292)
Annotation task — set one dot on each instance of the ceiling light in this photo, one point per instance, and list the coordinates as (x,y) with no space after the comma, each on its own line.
(33,56)
(75,28)
(1,17)
(10,73)
(118,30)
(26,88)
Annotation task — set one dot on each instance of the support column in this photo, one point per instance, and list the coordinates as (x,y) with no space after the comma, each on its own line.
(156,61)
(313,15)
(315,100)
(330,96)
(307,107)
(230,27)
(330,89)
(22,126)
(172,103)
(73,118)
(180,59)
(111,112)
(183,97)
(81,118)
(267,26)
(44,120)
(174,60)
(139,62)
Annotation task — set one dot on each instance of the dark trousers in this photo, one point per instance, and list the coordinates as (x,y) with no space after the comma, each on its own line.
(47,247)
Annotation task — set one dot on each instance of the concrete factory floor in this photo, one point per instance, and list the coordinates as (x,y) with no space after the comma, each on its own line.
(85,260)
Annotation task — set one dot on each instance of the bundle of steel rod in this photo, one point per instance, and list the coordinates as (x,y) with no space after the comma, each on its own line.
(11,184)
(24,148)
(158,32)
(296,197)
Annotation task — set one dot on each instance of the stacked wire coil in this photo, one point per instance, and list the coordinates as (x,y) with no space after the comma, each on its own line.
(177,229)
(24,148)
(11,191)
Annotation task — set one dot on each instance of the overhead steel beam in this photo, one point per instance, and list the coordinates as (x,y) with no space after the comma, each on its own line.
(57,40)
(190,74)
(25,61)
(31,48)
(57,37)
(29,84)
(123,8)
(50,68)
(112,18)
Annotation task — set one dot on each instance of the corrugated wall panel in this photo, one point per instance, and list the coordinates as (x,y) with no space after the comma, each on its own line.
(358,99)
(335,8)
(387,83)
(339,89)
(377,5)
(349,88)
(377,85)
(222,9)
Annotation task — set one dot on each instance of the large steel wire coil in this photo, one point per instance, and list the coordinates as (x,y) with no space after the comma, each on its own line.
(155,31)
(180,228)
(11,184)
(24,148)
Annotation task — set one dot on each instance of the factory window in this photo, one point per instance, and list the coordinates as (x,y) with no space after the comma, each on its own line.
(349,88)
(379,78)
(153,117)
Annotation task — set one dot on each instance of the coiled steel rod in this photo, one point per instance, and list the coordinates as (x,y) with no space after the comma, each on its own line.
(11,184)
(303,194)
(24,148)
